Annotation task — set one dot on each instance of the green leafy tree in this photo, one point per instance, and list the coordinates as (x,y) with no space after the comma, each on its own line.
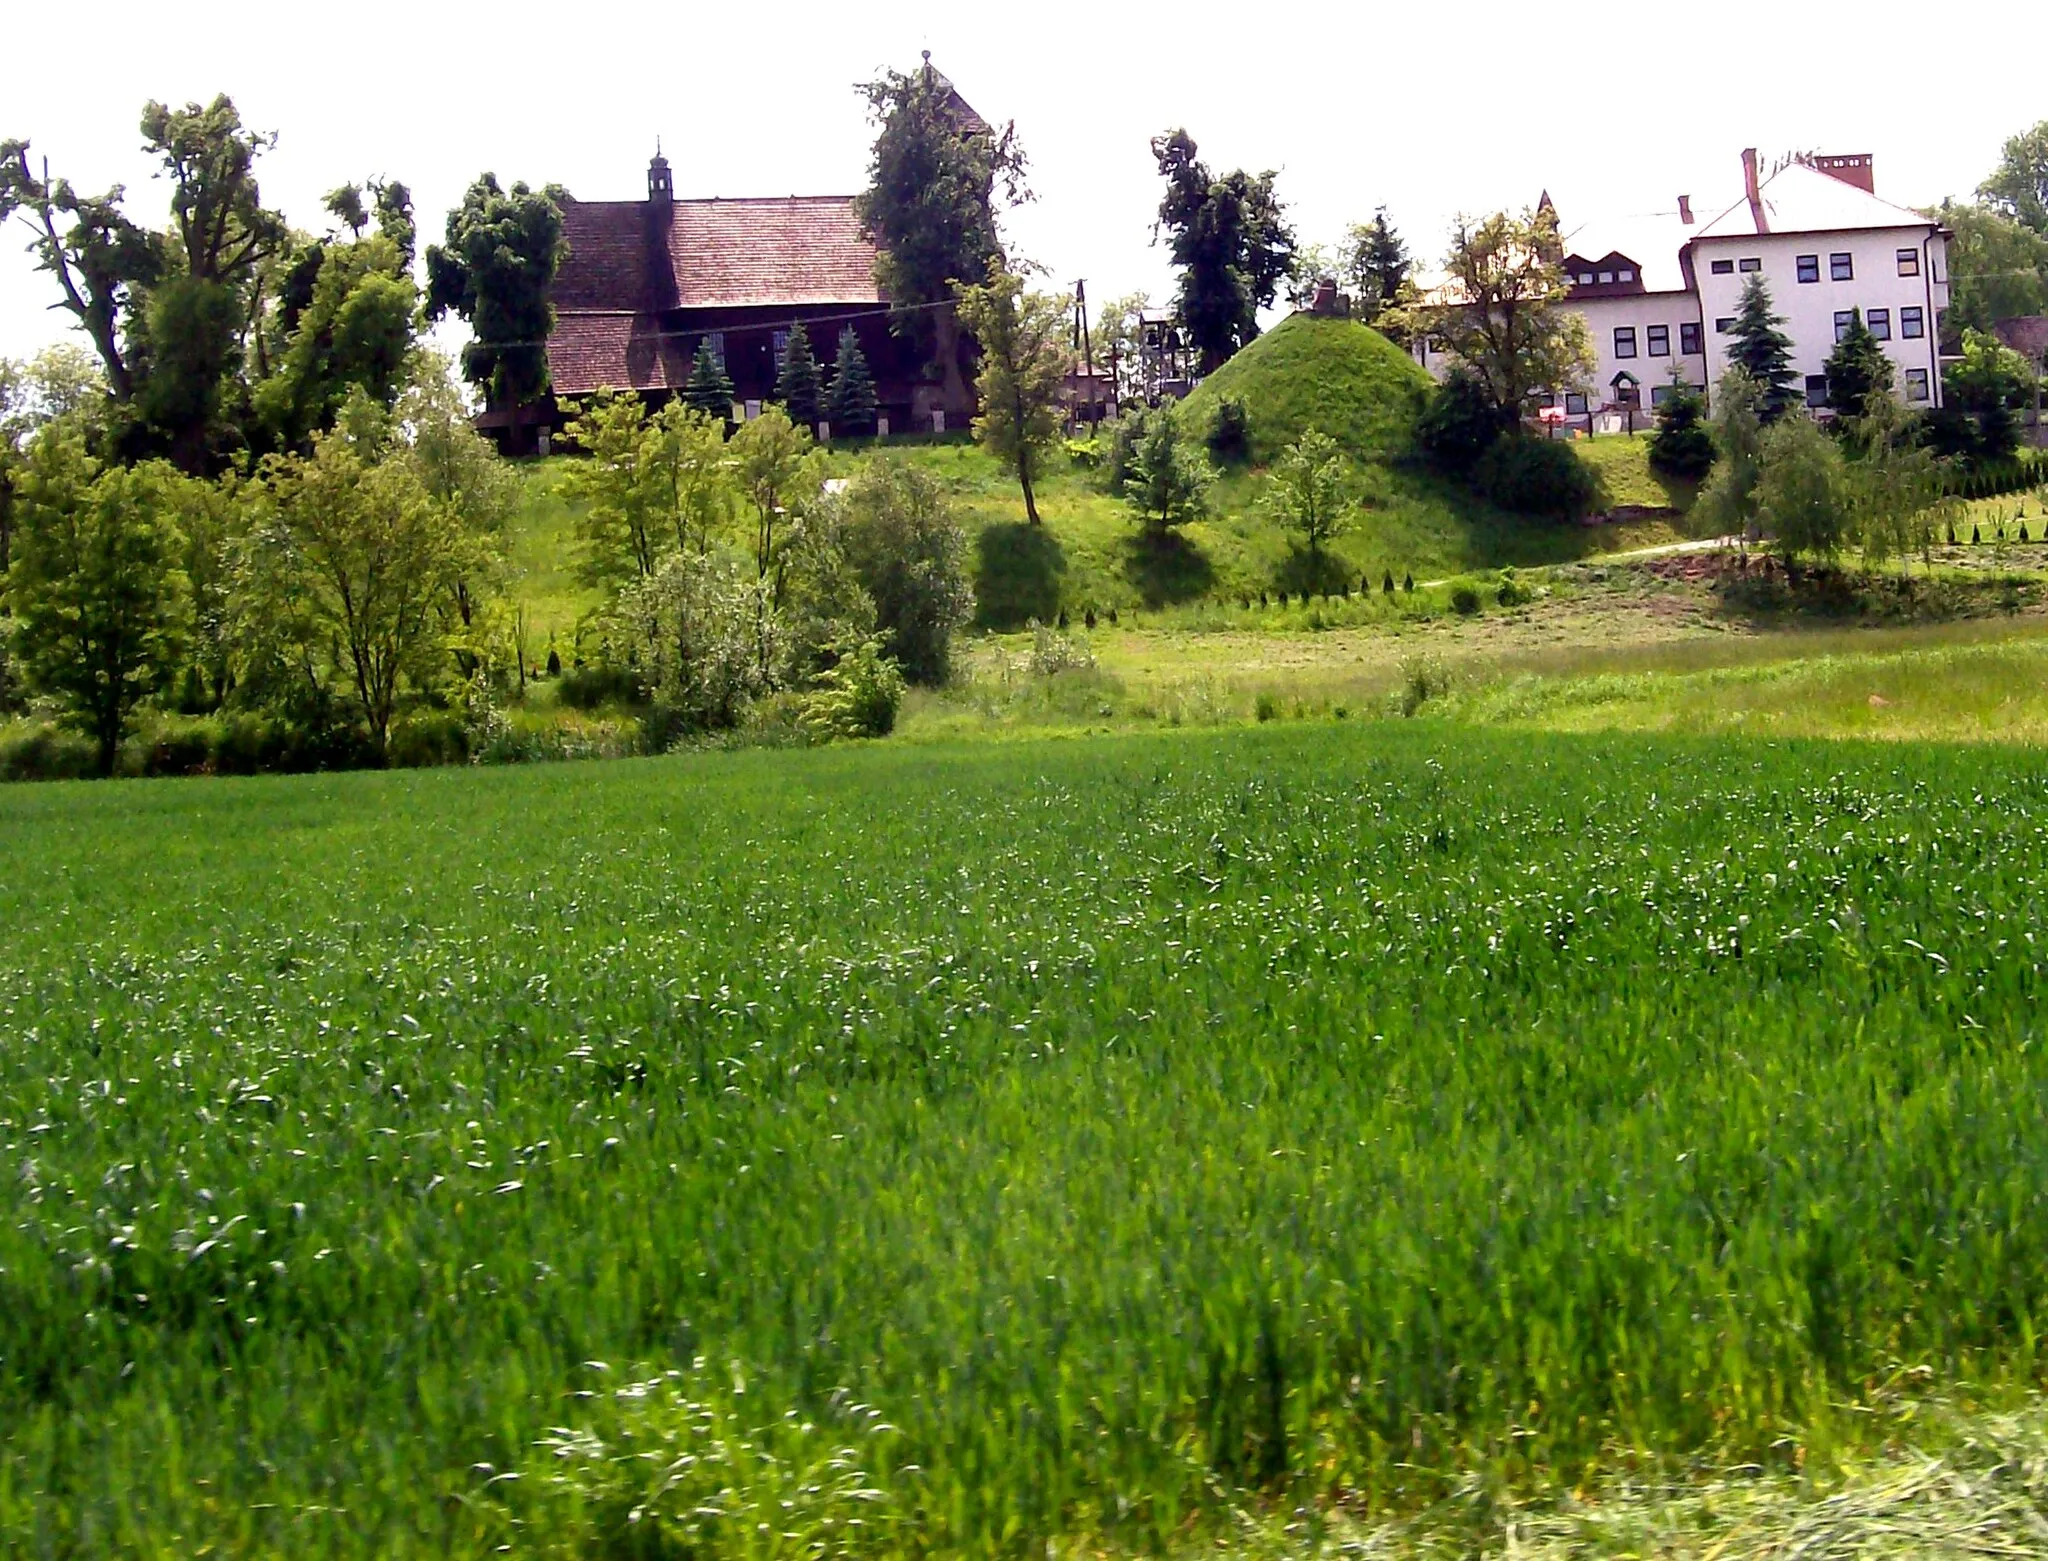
(776,466)
(686,460)
(1998,270)
(1501,312)
(1460,422)
(351,552)
(796,379)
(709,388)
(1803,493)
(93,586)
(1729,502)
(910,552)
(935,178)
(1896,485)
(207,521)
(1024,363)
(1682,445)
(618,524)
(1308,493)
(1988,383)
(1230,240)
(1858,370)
(502,250)
(1762,350)
(2018,187)
(850,404)
(346,325)
(463,474)
(1169,478)
(59,385)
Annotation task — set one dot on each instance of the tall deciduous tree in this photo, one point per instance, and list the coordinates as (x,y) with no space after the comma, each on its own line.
(352,552)
(775,464)
(1998,270)
(617,523)
(2018,187)
(796,378)
(1804,492)
(934,181)
(850,404)
(910,553)
(1024,362)
(1729,501)
(94,585)
(1231,242)
(502,250)
(1759,346)
(1501,311)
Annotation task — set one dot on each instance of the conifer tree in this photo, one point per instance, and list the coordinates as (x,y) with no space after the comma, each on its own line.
(1682,446)
(850,405)
(1763,351)
(709,389)
(1857,370)
(796,379)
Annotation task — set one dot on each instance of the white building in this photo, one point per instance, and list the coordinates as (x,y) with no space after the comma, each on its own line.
(1660,294)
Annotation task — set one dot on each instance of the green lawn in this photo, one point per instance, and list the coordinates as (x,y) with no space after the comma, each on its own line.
(980,1150)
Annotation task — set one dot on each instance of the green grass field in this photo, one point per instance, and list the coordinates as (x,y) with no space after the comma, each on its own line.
(919,1149)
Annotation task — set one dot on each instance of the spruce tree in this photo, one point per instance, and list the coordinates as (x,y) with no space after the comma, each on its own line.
(1682,446)
(709,389)
(796,379)
(1857,370)
(850,405)
(1763,351)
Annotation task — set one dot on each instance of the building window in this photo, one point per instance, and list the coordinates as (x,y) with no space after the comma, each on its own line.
(1660,341)
(1880,323)
(1624,341)
(1809,268)
(1659,394)
(1842,267)
(1606,276)
(1724,325)
(1624,275)
(717,340)
(1912,323)
(1724,268)
(781,347)
(1689,337)
(1843,319)
(1909,262)
(1574,403)
(1816,390)
(1751,263)
(1585,279)
(1916,384)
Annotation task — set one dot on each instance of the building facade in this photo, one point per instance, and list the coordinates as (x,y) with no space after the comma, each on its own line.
(1660,294)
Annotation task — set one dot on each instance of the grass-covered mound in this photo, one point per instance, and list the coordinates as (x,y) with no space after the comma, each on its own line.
(1336,375)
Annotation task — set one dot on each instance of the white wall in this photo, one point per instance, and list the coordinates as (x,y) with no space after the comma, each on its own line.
(1809,307)
(1604,316)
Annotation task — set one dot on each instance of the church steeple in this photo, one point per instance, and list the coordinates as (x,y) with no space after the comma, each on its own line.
(660,187)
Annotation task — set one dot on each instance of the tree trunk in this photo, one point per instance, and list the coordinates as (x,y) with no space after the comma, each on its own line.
(1024,477)
(954,395)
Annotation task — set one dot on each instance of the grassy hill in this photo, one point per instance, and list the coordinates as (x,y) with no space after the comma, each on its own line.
(1335,375)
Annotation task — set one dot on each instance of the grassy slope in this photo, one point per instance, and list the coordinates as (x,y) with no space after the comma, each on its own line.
(1338,376)
(1088,553)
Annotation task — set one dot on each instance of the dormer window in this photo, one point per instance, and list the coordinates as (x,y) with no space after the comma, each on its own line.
(1624,276)
(1585,279)
(1606,276)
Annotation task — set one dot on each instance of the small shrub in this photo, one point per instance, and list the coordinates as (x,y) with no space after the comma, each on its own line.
(857,697)
(427,738)
(588,688)
(1266,707)
(1512,593)
(1229,435)
(32,751)
(1464,600)
(185,748)
(1408,583)
(554,662)
(1460,423)
(1542,477)
(1423,678)
(1053,652)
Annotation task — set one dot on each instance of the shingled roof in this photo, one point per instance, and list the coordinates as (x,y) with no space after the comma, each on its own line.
(713,254)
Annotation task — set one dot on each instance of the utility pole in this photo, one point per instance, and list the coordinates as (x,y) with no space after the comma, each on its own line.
(1084,344)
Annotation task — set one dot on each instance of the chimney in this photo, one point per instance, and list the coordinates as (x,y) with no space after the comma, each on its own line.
(1685,209)
(1753,190)
(661,189)
(1857,168)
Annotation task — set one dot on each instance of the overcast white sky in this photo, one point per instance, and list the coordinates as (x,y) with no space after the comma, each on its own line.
(1428,110)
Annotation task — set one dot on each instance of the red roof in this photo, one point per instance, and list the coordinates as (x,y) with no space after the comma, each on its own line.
(615,352)
(778,252)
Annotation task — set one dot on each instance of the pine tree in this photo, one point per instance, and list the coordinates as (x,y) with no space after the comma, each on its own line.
(1857,370)
(796,379)
(709,389)
(1763,350)
(850,405)
(1682,446)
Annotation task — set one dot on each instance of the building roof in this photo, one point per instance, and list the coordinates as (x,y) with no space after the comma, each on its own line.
(1799,198)
(646,255)
(1652,240)
(615,352)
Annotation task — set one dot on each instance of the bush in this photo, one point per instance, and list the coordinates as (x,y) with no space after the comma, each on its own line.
(1120,441)
(1682,446)
(181,748)
(588,688)
(426,738)
(1512,593)
(1536,477)
(1464,600)
(1459,424)
(857,697)
(1229,435)
(910,553)
(31,751)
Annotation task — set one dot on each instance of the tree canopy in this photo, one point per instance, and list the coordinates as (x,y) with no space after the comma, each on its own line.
(1230,240)
(1761,349)
(500,256)
(2018,186)
(1024,362)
